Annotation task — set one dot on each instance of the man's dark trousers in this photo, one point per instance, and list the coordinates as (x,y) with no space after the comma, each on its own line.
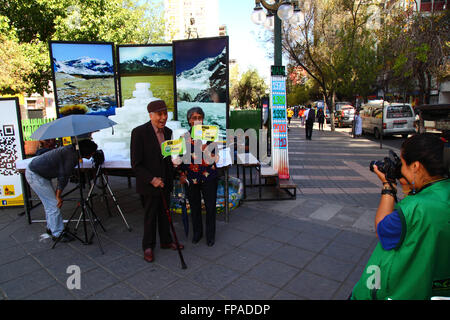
(148,162)
(308,129)
(155,214)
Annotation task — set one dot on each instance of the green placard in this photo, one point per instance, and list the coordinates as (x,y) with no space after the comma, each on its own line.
(173,147)
(208,133)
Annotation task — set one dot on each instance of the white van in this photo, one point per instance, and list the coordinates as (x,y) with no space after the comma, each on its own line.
(398,118)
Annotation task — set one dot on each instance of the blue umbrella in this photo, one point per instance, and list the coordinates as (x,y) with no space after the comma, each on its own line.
(71,126)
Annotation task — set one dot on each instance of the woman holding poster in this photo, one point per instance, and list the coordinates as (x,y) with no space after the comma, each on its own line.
(201,179)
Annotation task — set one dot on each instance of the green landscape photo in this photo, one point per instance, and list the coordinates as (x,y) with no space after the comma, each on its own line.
(149,64)
(160,85)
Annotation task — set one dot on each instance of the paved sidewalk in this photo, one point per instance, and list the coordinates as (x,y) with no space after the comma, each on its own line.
(314,247)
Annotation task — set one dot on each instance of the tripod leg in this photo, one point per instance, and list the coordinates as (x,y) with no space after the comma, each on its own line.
(91,220)
(94,216)
(88,198)
(115,202)
(66,229)
(105,198)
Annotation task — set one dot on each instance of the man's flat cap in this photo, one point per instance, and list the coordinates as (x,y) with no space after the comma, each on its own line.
(156,106)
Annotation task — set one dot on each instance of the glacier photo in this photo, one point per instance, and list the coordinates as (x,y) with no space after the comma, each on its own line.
(215,114)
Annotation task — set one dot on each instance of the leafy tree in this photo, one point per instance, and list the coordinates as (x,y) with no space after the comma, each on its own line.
(119,21)
(421,49)
(250,88)
(299,88)
(326,43)
(21,64)
(28,25)
(234,81)
(299,95)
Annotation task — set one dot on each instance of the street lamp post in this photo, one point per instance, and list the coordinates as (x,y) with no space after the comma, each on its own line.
(277,11)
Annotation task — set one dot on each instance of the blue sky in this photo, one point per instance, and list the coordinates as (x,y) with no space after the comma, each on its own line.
(68,51)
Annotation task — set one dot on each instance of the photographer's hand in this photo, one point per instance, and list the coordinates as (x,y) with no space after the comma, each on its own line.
(380,175)
(58,198)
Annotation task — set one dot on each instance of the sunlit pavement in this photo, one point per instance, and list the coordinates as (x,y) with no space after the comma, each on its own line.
(313,247)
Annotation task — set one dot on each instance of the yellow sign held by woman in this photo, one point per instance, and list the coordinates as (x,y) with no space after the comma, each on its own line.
(208,133)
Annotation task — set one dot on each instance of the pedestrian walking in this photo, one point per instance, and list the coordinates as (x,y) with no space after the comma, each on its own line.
(358,125)
(310,117)
(290,113)
(320,118)
(301,114)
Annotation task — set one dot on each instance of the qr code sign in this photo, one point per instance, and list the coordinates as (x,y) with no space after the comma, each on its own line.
(8,155)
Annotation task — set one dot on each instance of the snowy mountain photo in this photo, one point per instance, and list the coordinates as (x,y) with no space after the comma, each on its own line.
(201,68)
(84,66)
(84,78)
(207,78)
(145,60)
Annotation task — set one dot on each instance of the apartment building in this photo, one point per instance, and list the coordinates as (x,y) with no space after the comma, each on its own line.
(187,19)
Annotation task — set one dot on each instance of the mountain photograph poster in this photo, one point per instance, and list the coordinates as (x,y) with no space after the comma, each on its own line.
(83,77)
(201,79)
(152,64)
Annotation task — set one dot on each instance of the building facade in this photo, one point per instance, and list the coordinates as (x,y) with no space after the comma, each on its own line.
(187,19)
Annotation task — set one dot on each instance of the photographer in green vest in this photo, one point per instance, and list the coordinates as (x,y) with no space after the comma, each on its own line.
(412,257)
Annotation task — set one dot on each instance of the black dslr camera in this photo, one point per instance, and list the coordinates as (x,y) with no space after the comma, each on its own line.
(98,158)
(391,166)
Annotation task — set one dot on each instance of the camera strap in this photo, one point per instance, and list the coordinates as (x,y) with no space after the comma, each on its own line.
(429,184)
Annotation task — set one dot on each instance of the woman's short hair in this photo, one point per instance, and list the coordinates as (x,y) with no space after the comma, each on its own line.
(428,149)
(193,110)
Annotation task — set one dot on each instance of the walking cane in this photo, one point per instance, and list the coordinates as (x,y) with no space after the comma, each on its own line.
(183,264)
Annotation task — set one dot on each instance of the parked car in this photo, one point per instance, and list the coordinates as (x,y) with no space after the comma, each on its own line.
(345,116)
(338,105)
(393,118)
(327,115)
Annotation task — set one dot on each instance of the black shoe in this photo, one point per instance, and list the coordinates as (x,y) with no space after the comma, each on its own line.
(210,243)
(48,231)
(65,238)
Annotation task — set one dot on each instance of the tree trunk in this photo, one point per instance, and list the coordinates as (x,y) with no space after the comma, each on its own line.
(428,89)
(330,106)
(422,86)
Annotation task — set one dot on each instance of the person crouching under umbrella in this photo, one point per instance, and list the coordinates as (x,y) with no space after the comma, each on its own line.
(57,163)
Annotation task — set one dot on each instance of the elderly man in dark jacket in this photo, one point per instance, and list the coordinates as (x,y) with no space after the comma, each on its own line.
(153,173)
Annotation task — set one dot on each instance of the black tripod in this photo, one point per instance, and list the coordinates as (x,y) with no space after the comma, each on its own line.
(104,186)
(86,212)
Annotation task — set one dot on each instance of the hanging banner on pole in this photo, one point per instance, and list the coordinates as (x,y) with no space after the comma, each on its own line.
(280,156)
(11,150)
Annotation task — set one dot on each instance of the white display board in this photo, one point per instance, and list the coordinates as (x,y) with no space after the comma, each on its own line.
(11,150)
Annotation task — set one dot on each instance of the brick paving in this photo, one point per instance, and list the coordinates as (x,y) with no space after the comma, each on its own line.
(313,247)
